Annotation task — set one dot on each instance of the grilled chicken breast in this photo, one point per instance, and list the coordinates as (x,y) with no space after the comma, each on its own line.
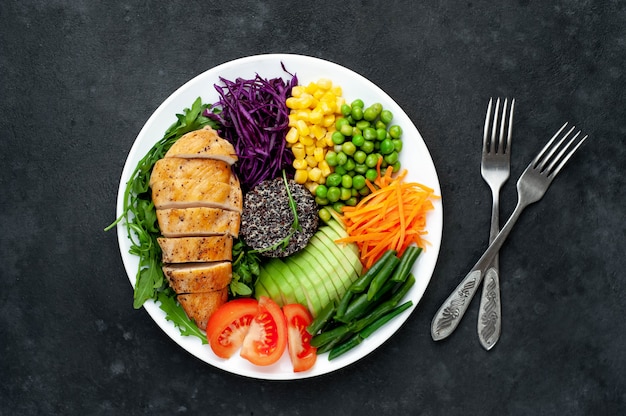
(198,277)
(200,221)
(200,306)
(204,143)
(196,249)
(180,193)
(175,168)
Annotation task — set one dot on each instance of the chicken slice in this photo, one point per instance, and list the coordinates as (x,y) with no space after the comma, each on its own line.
(199,221)
(180,193)
(200,306)
(196,249)
(204,143)
(198,277)
(174,168)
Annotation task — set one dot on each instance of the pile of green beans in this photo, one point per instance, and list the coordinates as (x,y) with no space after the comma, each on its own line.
(371,301)
(363,136)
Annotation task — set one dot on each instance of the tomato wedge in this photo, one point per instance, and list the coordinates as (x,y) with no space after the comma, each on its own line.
(266,340)
(302,354)
(229,324)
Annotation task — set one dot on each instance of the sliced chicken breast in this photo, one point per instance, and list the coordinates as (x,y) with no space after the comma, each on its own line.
(196,249)
(199,221)
(200,306)
(198,277)
(204,143)
(174,168)
(180,193)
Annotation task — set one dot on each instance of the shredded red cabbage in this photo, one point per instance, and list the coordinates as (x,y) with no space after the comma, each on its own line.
(254,117)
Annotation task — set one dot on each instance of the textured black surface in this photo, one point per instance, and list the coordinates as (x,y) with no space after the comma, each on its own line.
(78,79)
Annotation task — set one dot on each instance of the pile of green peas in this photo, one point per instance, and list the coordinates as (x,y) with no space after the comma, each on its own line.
(363,136)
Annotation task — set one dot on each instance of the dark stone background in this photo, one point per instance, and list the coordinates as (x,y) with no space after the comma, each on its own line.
(78,79)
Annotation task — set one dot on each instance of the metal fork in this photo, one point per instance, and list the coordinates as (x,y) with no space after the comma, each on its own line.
(531,186)
(495,168)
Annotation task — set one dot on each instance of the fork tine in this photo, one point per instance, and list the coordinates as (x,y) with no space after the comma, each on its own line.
(562,157)
(501,144)
(538,158)
(486,127)
(494,128)
(550,164)
(507,148)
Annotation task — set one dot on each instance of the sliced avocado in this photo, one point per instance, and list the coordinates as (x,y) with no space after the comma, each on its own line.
(341,232)
(308,282)
(292,281)
(305,288)
(260,290)
(286,289)
(332,252)
(349,251)
(272,288)
(314,270)
(329,262)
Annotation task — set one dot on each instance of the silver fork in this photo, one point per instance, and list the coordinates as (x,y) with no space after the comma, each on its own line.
(531,186)
(495,168)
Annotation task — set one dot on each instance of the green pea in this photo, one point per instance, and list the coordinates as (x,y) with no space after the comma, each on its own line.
(338,206)
(349,165)
(331,158)
(348,148)
(395,131)
(358,182)
(364,191)
(321,201)
(386,147)
(345,194)
(345,109)
(362,124)
(367,146)
(354,191)
(340,170)
(338,138)
(370,175)
(380,125)
(334,193)
(324,214)
(358,103)
(360,169)
(334,179)
(369,134)
(359,156)
(371,160)
(372,112)
(356,131)
(346,130)
(346,181)
(386,116)
(321,191)
(391,158)
(340,122)
(396,167)
(358,140)
(342,158)
(381,134)
(352,201)
(357,113)
(397,145)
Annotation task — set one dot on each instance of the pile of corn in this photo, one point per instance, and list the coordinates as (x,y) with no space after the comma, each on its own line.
(313,109)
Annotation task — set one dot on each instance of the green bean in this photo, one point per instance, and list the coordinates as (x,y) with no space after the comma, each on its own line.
(325,337)
(322,319)
(332,343)
(345,347)
(406,263)
(401,291)
(371,328)
(382,276)
(363,282)
(343,304)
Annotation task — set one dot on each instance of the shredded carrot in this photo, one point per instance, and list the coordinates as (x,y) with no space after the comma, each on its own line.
(392,216)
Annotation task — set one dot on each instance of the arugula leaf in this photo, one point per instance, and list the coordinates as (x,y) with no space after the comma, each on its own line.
(246,269)
(175,313)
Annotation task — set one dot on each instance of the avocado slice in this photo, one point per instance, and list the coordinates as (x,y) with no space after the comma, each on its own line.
(341,232)
(332,252)
(349,251)
(284,285)
(304,276)
(272,288)
(260,290)
(314,270)
(334,268)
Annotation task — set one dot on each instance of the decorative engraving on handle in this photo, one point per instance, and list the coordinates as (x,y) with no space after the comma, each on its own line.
(456,307)
(489,316)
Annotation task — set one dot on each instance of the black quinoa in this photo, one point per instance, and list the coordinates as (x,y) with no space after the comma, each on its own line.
(267,218)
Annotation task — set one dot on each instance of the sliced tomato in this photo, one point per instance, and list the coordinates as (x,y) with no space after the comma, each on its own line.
(229,324)
(302,354)
(266,340)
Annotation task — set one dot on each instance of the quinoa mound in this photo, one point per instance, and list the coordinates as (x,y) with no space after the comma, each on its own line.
(267,218)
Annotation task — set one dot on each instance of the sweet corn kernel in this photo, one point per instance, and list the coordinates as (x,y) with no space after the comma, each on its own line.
(324,83)
(306,100)
(292,135)
(300,164)
(318,94)
(297,91)
(303,128)
(292,103)
(329,139)
(309,149)
(301,176)
(310,159)
(315,174)
(306,140)
(318,154)
(318,131)
(303,115)
(311,186)
(323,165)
(316,115)
(329,120)
(292,120)
(336,89)
(298,151)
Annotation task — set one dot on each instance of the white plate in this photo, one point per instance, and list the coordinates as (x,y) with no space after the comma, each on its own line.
(414,156)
